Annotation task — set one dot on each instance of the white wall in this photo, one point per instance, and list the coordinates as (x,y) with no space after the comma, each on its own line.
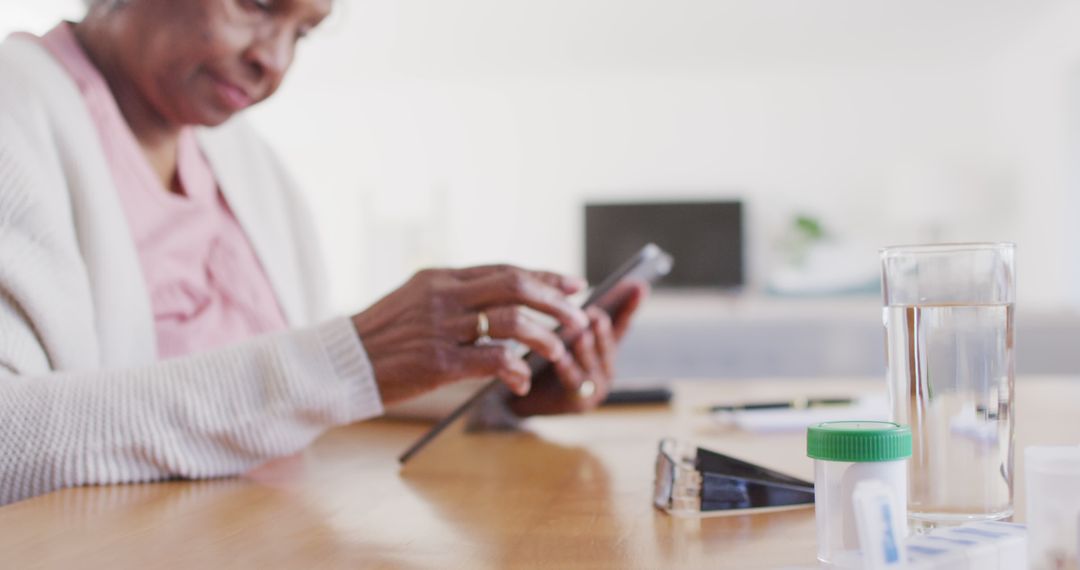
(1034,88)
(37,16)
(458,132)
(510,115)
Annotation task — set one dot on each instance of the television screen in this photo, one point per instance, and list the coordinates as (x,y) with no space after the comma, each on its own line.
(705,238)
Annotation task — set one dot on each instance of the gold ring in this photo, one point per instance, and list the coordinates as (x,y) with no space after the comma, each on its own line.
(483,328)
(586,390)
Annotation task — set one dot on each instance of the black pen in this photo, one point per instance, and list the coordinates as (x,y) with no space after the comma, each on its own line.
(793,404)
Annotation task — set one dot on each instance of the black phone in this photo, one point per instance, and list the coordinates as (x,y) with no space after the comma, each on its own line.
(648,265)
(629,396)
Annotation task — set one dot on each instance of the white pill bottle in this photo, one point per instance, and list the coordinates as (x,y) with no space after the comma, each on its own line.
(1053,506)
(847,453)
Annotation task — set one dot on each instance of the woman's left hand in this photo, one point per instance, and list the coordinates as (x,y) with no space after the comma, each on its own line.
(591,358)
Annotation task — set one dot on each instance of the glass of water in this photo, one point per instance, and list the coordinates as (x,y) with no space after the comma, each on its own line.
(948,319)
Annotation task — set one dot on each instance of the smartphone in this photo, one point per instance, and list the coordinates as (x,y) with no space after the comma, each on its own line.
(633,396)
(648,265)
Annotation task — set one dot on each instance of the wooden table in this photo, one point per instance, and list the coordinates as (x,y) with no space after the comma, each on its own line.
(570,492)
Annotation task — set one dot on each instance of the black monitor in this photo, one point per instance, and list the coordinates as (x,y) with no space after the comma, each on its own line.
(705,239)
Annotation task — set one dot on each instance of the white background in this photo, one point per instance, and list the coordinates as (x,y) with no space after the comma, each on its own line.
(464,131)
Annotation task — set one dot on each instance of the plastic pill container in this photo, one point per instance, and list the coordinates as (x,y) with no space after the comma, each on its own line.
(845,454)
(1053,506)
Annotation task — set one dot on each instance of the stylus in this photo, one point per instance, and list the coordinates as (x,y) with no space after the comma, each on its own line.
(445,422)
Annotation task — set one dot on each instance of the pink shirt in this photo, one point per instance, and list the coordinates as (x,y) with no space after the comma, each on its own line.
(207,287)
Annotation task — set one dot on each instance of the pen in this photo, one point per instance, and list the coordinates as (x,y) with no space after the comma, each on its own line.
(793,404)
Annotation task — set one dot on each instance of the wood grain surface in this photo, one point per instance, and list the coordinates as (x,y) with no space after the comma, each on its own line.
(566,492)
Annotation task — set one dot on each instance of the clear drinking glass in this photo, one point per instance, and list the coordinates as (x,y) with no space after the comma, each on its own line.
(948,319)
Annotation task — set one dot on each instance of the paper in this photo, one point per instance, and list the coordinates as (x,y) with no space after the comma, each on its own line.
(868,408)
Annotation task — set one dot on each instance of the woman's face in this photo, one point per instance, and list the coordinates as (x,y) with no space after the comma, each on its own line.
(201,61)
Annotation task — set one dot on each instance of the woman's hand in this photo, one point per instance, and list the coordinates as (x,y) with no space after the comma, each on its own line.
(591,359)
(423,335)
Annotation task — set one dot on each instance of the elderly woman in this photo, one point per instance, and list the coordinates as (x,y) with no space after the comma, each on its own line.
(160,308)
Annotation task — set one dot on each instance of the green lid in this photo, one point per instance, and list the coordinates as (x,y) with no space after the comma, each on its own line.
(858,441)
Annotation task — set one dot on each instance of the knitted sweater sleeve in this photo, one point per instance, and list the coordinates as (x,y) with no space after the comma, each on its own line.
(210,415)
(66,423)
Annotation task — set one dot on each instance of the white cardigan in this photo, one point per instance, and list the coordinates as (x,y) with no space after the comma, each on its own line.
(83,399)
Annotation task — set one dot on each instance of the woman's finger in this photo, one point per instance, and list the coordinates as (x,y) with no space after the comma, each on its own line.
(511,323)
(570,374)
(585,354)
(467,273)
(605,341)
(621,321)
(517,287)
(568,284)
(493,360)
